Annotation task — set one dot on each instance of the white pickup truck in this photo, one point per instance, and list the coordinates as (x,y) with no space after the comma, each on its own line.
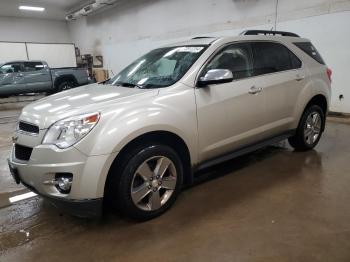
(20,77)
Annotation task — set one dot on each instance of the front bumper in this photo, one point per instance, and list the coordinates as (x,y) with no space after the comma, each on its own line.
(87,208)
(89,172)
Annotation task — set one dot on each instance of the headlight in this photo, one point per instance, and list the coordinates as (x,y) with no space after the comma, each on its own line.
(69,131)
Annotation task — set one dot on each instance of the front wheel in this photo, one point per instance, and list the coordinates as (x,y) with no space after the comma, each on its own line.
(309,130)
(149,183)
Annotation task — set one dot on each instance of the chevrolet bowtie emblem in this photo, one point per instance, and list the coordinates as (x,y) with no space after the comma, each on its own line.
(14,138)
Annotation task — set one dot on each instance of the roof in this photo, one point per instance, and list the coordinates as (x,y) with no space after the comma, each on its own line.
(22,61)
(226,39)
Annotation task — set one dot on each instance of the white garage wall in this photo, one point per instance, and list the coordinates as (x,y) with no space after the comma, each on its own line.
(15,29)
(130,29)
(51,34)
(331,35)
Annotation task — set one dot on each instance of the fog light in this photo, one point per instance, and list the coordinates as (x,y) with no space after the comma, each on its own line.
(64,182)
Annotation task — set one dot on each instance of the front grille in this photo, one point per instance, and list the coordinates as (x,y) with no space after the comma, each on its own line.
(29,128)
(23,152)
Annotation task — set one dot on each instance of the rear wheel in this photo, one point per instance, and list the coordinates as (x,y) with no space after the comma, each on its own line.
(148,183)
(65,85)
(309,130)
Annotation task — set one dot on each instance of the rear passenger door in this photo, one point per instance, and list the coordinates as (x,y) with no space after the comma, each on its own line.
(37,77)
(282,76)
(230,115)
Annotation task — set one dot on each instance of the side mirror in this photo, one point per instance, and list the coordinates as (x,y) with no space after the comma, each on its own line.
(216,76)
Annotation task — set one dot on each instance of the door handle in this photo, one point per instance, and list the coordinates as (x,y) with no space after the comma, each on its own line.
(20,75)
(299,77)
(254,90)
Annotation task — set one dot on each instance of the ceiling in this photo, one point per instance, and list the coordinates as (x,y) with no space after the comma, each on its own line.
(54,9)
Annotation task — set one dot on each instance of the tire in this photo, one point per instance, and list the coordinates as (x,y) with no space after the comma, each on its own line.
(135,189)
(65,85)
(310,129)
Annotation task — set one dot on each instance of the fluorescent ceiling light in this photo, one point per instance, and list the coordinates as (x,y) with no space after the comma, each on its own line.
(31,8)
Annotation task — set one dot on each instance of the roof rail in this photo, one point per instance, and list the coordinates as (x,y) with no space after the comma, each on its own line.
(268,32)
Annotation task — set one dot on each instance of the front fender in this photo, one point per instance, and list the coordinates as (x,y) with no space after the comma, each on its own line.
(117,127)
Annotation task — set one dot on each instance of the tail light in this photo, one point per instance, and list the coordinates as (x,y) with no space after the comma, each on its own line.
(329,74)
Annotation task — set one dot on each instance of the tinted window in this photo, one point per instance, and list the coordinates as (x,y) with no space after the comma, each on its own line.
(296,63)
(33,66)
(273,57)
(308,48)
(236,57)
(11,68)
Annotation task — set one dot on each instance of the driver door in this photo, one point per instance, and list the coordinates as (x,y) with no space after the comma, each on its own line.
(230,115)
(12,79)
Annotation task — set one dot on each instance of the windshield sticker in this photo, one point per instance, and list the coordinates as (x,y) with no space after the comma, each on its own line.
(185,49)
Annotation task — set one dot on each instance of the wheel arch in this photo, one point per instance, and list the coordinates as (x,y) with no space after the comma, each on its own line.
(63,78)
(319,100)
(162,137)
(322,102)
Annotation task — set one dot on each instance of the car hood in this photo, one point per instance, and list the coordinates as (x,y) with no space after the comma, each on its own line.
(81,100)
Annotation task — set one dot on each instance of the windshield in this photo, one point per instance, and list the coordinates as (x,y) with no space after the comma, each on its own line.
(159,68)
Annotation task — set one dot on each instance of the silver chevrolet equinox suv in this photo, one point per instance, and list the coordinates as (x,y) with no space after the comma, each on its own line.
(135,140)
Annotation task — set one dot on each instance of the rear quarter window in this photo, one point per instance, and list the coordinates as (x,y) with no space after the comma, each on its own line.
(309,49)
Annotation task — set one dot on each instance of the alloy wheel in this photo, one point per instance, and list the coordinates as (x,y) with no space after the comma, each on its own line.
(153,183)
(312,127)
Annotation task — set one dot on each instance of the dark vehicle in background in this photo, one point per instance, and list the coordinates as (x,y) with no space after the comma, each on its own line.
(21,77)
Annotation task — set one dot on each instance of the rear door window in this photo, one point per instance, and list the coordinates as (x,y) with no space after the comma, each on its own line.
(270,57)
(33,66)
(308,48)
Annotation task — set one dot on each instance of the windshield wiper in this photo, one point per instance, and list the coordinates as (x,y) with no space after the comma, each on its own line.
(104,82)
(125,84)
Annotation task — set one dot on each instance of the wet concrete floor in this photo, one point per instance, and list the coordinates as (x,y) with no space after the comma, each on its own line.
(8,121)
(272,205)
